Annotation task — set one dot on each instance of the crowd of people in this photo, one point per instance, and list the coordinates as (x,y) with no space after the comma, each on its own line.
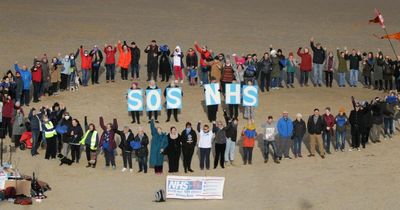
(61,134)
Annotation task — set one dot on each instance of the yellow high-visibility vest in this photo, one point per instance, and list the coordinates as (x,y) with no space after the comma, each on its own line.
(50,130)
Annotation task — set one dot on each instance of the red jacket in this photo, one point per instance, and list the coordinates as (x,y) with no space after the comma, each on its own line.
(86,61)
(110,54)
(8,108)
(124,57)
(306,61)
(203,55)
(36,74)
(329,120)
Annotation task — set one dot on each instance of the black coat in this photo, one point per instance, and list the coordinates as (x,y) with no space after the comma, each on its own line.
(78,134)
(191,60)
(377,115)
(152,60)
(319,54)
(186,143)
(143,151)
(355,61)
(355,118)
(165,64)
(125,144)
(135,55)
(299,128)
(315,128)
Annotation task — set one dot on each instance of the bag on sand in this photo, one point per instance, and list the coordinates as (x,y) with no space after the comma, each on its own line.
(160,196)
(23,200)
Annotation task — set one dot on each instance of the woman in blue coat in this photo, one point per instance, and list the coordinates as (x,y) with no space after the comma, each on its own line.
(159,142)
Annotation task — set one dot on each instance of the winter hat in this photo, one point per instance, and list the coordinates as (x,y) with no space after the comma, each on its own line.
(273,52)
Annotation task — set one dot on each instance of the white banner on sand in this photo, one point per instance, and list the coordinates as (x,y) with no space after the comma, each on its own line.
(194,187)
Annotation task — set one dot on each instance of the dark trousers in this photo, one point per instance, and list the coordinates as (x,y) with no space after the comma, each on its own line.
(327,136)
(219,155)
(134,70)
(388,84)
(143,163)
(150,113)
(355,137)
(367,80)
(109,157)
(290,78)
(265,80)
(64,81)
(152,72)
(7,126)
(304,77)
(59,142)
(36,91)
(75,152)
(35,141)
(365,136)
(89,153)
(53,88)
(25,99)
(165,76)
(158,169)
(51,149)
(170,111)
(247,154)
(95,74)
(212,112)
(187,158)
(233,110)
(328,78)
(397,83)
(267,144)
(127,158)
(135,116)
(205,158)
(173,161)
(379,84)
(124,73)
(110,72)
(16,140)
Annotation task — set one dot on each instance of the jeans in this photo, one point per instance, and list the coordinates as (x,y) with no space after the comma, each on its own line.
(328,78)
(297,145)
(25,97)
(266,149)
(342,79)
(35,141)
(75,152)
(205,158)
(388,126)
(274,82)
(340,139)
(143,163)
(326,135)
(353,77)
(109,157)
(247,155)
(135,70)
(265,80)
(304,77)
(230,149)
(85,77)
(204,75)
(124,73)
(317,71)
(127,158)
(95,73)
(290,78)
(110,72)
(284,146)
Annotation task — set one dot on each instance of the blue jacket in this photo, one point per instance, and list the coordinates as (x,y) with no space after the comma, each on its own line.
(26,77)
(285,127)
(158,142)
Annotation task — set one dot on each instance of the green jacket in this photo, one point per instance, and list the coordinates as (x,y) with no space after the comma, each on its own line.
(342,68)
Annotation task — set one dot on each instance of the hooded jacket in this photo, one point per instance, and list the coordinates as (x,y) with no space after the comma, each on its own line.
(86,61)
(124,57)
(110,54)
(306,63)
(319,54)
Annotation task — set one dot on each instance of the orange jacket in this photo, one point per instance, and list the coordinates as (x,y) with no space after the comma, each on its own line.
(124,57)
(249,141)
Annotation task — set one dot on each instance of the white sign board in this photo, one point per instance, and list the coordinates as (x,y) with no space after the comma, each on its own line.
(194,187)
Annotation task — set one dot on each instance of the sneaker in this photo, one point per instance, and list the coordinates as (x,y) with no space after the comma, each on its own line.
(124,169)
(130,170)
(114,167)
(350,150)
(181,81)
(358,149)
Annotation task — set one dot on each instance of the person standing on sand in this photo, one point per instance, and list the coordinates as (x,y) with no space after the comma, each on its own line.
(97,59)
(368,67)
(36,72)
(86,65)
(165,63)
(315,126)
(231,137)
(107,141)
(299,129)
(110,52)
(220,143)
(305,65)
(191,64)
(249,111)
(173,84)
(127,137)
(285,132)
(354,58)
(265,68)
(177,61)
(152,60)
(355,122)
(159,143)
(330,66)
(124,59)
(173,150)
(50,135)
(328,131)
(291,68)
(27,80)
(91,142)
(189,141)
(75,135)
(135,53)
(205,56)
(135,114)
(270,131)
(249,135)
(228,75)
(205,145)
(342,66)
(341,121)
(212,110)
(143,152)
(377,119)
(318,62)
(152,86)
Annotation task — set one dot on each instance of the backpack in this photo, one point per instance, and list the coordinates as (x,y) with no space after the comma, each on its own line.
(135,145)
(160,196)
(23,200)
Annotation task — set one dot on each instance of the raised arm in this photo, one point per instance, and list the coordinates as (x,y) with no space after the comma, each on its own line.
(102,123)
(115,124)
(198,126)
(16,67)
(153,128)
(86,124)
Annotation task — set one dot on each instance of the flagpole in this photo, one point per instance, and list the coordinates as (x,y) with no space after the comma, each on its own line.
(394,51)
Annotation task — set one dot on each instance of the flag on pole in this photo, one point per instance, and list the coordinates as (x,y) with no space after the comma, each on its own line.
(378,19)
(391,36)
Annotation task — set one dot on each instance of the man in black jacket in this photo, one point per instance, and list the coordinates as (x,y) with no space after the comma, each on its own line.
(318,62)
(135,54)
(189,141)
(265,72)
(231,136)
(125,145)
(377,120)
(355,120)
(355,59)
(315,126)
(152,60)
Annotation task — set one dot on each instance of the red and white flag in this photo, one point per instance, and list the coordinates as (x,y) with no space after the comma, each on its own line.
(378,19)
